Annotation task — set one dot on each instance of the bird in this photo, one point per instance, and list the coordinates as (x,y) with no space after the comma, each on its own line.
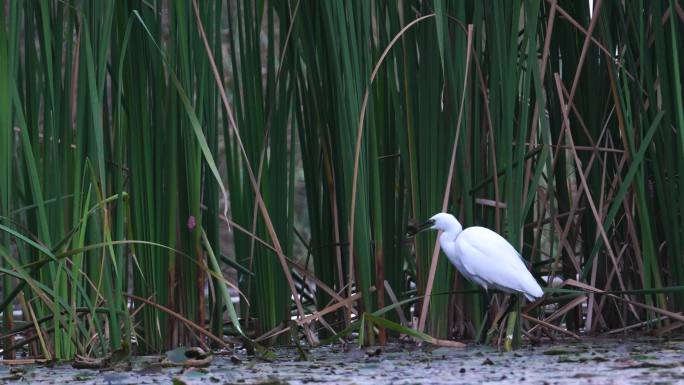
(483,256)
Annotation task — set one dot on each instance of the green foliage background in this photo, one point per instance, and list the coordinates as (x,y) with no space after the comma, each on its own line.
(132,133)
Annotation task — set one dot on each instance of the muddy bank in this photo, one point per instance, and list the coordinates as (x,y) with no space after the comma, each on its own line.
(596,361)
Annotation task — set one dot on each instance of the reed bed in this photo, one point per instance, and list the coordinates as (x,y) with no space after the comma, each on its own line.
(219,172)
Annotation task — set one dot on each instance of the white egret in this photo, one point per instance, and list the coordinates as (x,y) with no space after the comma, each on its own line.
(483,256)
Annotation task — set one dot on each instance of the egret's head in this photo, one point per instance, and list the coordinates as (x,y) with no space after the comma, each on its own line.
(439,221)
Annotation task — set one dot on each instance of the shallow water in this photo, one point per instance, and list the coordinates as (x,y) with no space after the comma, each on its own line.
(595,361)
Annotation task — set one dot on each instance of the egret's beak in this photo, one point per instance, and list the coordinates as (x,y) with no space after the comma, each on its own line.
(413,229)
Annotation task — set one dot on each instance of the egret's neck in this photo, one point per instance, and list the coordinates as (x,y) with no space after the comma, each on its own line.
(448,237)
(453,233)
(454,228)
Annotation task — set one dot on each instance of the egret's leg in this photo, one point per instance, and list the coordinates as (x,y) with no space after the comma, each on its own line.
(487,319)
(512,340)
(506,306)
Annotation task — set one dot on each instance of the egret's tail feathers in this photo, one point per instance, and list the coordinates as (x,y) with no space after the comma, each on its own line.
(533,291)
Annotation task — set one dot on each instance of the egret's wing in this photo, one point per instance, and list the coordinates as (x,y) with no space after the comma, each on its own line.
(489,257)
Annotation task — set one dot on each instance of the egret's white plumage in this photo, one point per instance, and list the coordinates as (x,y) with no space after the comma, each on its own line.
(484,257)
